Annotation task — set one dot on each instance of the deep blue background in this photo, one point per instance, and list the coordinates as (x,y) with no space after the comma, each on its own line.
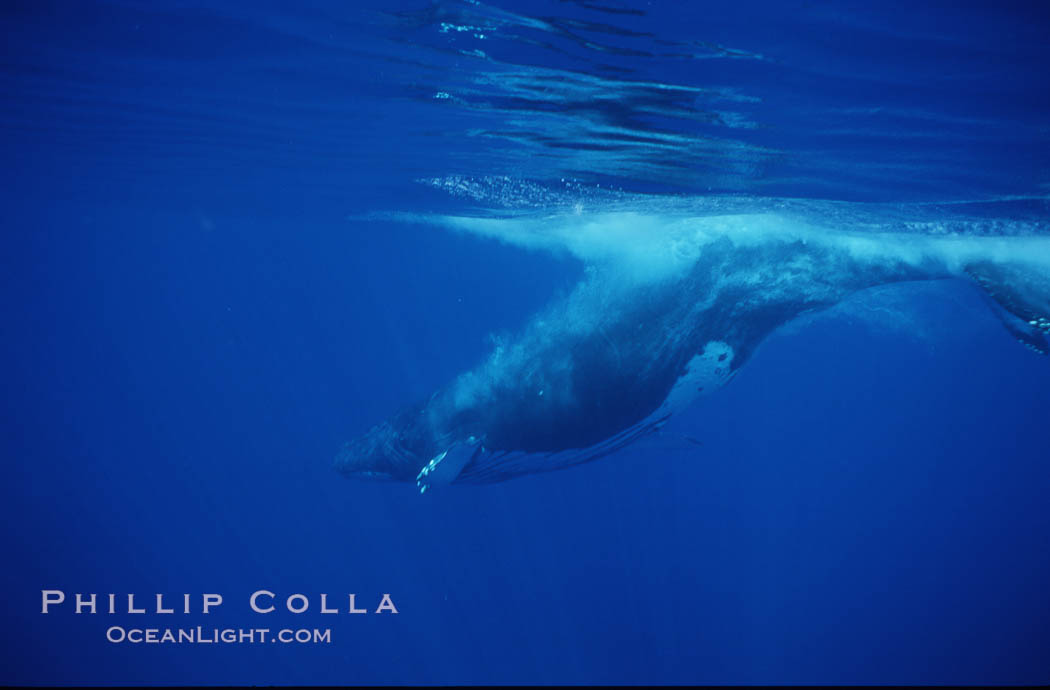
(196,313)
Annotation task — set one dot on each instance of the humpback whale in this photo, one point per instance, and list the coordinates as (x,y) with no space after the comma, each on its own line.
(668,309)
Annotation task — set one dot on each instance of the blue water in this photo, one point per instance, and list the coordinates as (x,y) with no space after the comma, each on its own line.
(206,290)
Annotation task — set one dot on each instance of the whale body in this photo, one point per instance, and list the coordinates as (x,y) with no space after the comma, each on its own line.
(666,312)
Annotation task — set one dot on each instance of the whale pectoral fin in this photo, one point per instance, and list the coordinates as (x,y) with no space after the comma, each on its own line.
(444,467)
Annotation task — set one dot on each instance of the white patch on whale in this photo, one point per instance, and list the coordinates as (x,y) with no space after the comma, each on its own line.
(705,372)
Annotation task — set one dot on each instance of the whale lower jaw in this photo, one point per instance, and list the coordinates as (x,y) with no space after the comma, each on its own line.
(496,466)
(470,462)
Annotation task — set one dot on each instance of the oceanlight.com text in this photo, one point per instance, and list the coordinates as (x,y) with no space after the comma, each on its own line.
(201,635)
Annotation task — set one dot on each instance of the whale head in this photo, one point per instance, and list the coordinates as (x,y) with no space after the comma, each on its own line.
(407,448)
(394,450)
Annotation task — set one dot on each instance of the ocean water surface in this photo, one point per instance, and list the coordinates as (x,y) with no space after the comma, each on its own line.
(240,235)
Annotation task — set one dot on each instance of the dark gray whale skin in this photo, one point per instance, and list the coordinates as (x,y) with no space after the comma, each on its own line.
(591,390)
